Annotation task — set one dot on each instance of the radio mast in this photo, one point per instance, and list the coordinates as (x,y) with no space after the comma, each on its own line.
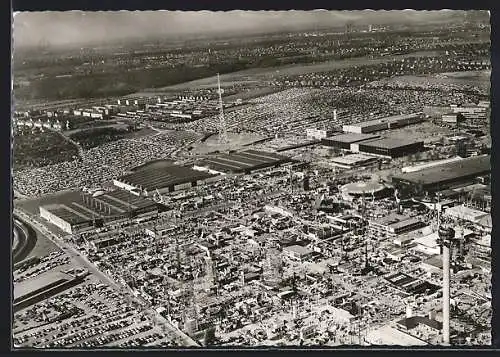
(222,121)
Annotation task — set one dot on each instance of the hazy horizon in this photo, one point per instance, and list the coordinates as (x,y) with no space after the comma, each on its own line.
(82,28)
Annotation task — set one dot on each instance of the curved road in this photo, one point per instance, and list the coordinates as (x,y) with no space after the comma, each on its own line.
(26,240)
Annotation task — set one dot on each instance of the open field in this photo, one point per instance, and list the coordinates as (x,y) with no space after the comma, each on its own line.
(92,125)
(43,246)
(425,131)
(140,133)
(155,164)
(236,140)
(32,206)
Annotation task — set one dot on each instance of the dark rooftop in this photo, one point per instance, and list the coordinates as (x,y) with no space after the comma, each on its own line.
(158,178)
(412,322)
(80,210)
(242,161)
(391,219)
(72,215)
(390,143)
(351,137)
(478,165)
(391,119)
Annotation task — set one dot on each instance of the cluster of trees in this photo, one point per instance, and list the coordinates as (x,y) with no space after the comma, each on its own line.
(38,149)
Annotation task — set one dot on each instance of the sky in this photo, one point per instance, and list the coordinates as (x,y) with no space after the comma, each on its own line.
(77,27)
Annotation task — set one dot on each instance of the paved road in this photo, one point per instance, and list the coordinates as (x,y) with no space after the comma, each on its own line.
(26,241)
(81,259)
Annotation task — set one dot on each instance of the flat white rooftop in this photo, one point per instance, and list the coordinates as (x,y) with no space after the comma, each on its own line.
(353,159)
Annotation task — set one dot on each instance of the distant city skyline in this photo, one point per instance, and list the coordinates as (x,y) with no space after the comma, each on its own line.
(78,27)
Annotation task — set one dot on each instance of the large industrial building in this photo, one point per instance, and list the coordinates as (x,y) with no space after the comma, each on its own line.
(373,144)
(387,123)
(449,175)
(394,224)
(165,179)
(390,147)
(88,211)
(66,218)
(469,214)
(420,167)
(347,141)
(240,162)
(49,284)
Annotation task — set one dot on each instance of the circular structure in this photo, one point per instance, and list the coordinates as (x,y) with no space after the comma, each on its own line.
(368,189)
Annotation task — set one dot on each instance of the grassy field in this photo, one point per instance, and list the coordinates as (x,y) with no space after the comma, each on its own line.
(32,206)
(43,246)
(156,164)
(236,141)
(140,133)
(425,131)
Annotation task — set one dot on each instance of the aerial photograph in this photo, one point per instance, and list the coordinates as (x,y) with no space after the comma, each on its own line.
(251,179)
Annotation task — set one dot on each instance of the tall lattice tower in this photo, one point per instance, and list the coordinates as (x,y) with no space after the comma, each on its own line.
(222,121)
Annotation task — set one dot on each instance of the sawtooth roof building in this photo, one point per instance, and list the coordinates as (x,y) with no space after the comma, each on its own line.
(164,179)
(241,162)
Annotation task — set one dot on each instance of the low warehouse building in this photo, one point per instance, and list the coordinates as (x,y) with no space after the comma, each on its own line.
(394,224)
(353,161)
(392,148)
(241,162)
(297,253)
(165,179)
(86,211)
(392,122)
(437,178)
(347,141)
(49,284)
(430,164)
(66,218)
